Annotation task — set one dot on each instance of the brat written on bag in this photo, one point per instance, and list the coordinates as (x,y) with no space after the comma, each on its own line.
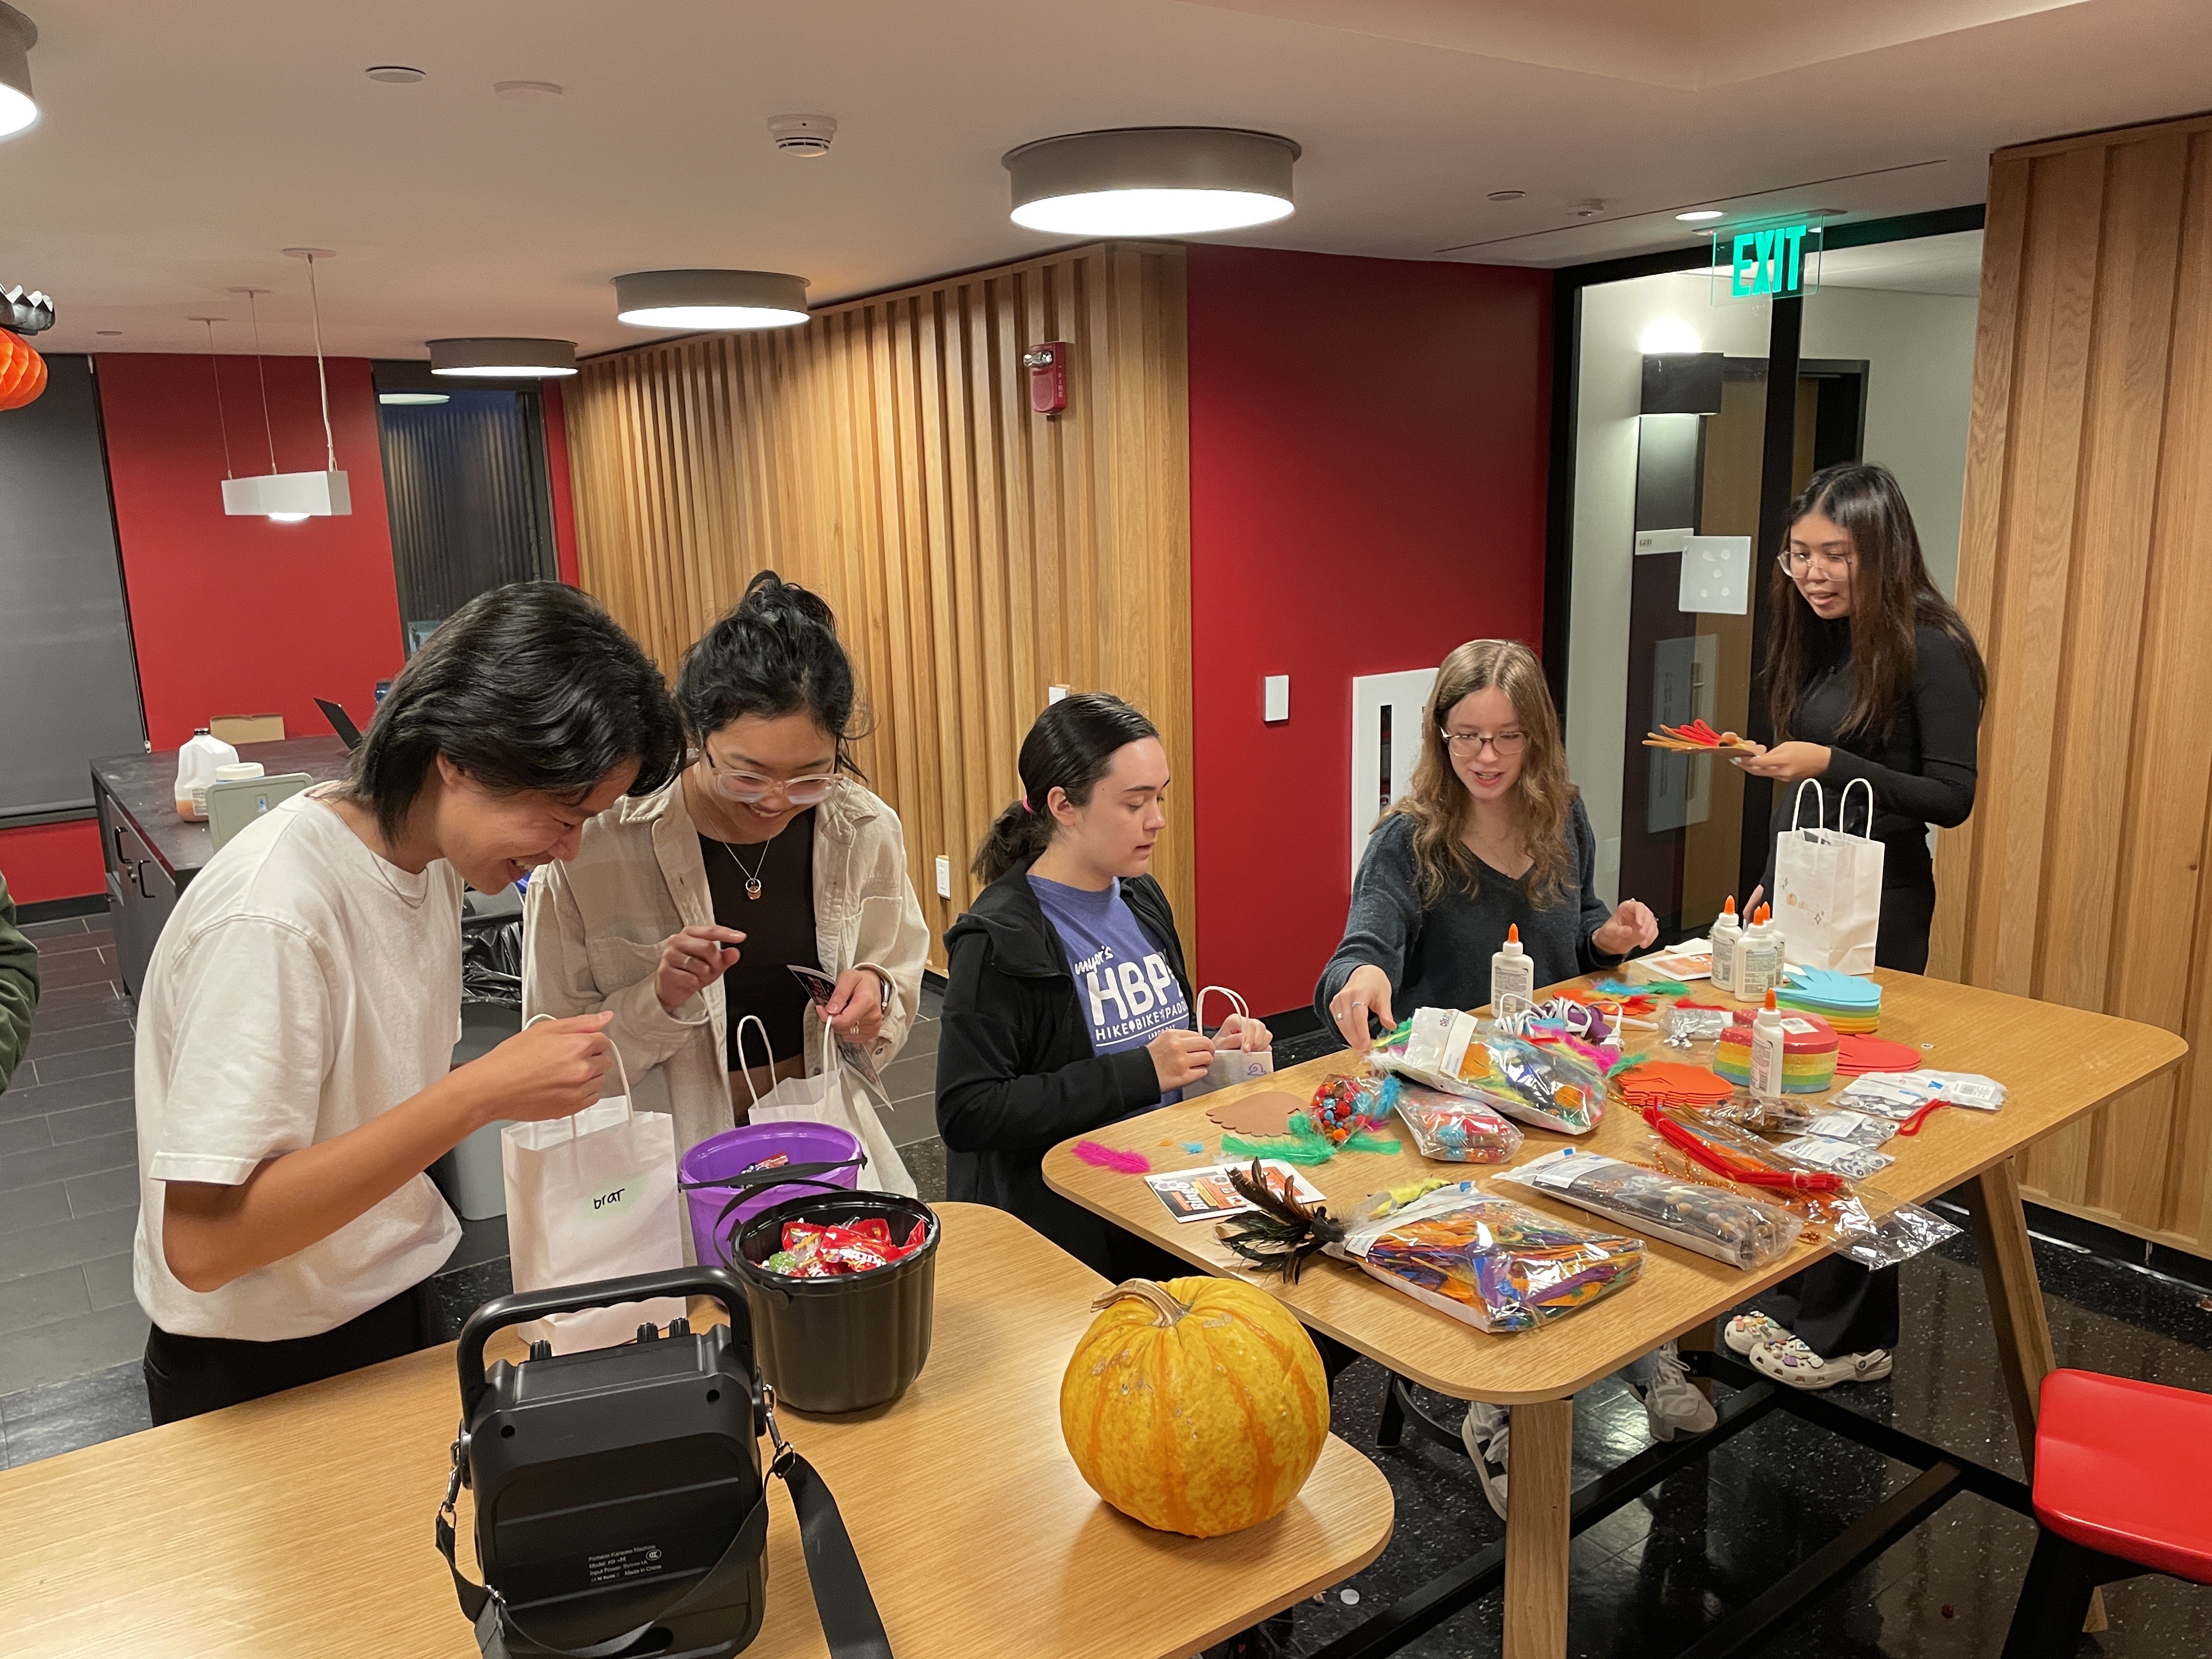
(833,1095)
(1828,885)
(1230,1064)
(592,1197)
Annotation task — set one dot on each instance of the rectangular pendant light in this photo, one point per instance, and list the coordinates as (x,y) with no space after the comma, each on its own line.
(309,494)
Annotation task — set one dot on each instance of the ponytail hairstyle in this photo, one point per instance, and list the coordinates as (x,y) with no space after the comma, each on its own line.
(1069,748)
(1892,596)
(774,652)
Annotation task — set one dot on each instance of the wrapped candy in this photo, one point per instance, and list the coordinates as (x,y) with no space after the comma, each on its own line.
(1740,1231)
(1454,1128)
(1495,1264)
(823,1250)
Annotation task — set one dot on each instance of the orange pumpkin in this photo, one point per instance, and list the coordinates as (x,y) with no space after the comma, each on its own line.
(22,372)
(1198,1406)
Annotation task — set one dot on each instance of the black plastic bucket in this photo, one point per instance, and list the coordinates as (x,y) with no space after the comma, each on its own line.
(853,1340)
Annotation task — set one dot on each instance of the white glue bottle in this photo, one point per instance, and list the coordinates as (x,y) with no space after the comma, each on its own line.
(1767,1050)
(1726,935)
(1512,974)
(1759,957)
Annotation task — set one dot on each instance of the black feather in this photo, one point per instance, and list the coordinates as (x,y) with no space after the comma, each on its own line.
(1279,1233)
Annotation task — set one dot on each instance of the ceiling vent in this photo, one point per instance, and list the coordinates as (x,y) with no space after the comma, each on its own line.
(803,135)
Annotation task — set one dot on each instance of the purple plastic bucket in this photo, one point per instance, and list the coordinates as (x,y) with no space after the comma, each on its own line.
(824,1154)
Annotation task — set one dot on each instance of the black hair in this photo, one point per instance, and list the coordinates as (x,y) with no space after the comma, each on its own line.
(530,686)
(773,652)
(1069,748)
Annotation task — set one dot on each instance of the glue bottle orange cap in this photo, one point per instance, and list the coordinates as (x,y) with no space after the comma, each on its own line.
(1770,998)
(1728,908)
(1512,932)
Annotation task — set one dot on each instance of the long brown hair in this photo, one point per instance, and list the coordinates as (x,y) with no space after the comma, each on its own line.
(1891,596)
(1439,804)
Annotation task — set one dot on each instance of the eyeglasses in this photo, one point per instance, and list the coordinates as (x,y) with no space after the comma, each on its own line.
(1797,562)
(1504,744)
(751,788)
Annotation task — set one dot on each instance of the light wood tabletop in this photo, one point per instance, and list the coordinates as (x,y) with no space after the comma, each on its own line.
(301,1523)
(2057,1063)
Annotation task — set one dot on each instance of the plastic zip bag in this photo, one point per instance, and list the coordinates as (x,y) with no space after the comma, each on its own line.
(1493,1263)
(1454,1128)
(1731,1227)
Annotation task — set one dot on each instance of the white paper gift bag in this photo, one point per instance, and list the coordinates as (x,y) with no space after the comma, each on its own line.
(836,1095)
(1827,886)
(592,1197)
(1230,1064)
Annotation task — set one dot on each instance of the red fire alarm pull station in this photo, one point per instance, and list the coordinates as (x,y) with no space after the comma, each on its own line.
(1047,366)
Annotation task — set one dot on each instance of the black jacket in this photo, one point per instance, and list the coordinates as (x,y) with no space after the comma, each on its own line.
(1016,1073)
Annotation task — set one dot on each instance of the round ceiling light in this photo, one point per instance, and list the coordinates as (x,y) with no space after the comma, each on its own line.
(710,299)
(1699,216)
(18,34)
(1151,181)
(503,359)
(397,75)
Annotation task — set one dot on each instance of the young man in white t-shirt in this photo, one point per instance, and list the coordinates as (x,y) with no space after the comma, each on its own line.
(296,1027)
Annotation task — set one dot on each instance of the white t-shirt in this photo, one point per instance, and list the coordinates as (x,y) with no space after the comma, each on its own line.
(301,986)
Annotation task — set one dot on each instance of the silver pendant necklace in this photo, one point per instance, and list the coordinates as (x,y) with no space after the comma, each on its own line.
(753,875)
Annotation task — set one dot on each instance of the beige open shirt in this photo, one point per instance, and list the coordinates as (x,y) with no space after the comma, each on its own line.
(593,930)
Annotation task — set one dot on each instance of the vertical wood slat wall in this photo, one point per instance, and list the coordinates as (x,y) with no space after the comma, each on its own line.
(2085,568)
(884,454)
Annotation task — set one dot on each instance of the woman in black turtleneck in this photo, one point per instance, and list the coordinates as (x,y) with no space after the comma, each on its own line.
(1870,674)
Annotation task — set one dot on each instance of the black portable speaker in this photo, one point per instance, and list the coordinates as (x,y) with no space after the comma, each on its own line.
(621,1504)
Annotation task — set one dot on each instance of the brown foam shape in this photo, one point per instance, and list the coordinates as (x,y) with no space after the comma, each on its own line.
(1253,1115)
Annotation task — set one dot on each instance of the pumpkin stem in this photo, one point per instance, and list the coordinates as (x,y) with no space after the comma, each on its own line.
(1145,1289)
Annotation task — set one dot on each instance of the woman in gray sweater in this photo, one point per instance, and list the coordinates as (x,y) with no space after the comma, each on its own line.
(1492,835)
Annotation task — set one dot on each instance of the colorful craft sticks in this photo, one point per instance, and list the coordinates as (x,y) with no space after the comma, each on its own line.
(1697,738)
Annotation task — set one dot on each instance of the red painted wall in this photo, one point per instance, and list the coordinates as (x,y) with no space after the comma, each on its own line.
(53,861)
(1368,451)
(556,479)
(241,616)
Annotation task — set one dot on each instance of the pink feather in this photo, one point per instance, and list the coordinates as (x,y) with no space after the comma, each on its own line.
(1106,1158)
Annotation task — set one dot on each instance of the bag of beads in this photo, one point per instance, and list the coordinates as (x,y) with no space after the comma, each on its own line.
(1495,1264)
(1453,1128)
(1730,1227)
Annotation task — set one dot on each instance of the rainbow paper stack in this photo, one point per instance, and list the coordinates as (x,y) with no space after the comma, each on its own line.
(1851,1005)
(1808,1052)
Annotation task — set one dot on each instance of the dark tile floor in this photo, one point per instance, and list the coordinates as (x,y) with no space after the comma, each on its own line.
(1647,1581)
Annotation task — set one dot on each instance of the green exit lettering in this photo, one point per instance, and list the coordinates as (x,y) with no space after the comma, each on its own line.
(1768,262)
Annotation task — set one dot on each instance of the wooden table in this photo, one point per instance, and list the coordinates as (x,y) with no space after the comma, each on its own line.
(2056,1062)
(301,1523)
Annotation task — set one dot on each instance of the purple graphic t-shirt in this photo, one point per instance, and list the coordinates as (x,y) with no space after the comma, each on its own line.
(1127,990)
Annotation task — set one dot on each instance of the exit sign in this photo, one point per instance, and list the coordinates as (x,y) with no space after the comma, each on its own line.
(1773,261)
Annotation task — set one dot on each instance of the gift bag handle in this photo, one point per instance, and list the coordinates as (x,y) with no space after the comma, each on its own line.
(613,1048)
(1236,1003)
(1797,805)
(738,1041)
(1844,807)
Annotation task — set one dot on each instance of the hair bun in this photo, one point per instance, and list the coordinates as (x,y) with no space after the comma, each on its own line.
(769,598)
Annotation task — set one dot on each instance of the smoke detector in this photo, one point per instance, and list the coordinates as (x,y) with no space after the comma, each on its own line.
(1588,207)
(802,134)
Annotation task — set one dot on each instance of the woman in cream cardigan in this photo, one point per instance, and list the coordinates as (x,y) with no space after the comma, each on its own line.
(684,910)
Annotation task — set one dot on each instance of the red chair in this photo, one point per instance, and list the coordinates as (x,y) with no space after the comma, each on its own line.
(2123,1488)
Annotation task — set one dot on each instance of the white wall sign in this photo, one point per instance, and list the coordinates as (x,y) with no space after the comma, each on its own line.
(1716,575)
(1387,711)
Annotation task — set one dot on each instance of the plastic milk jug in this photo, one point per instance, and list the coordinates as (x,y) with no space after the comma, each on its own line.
(1512,973)
(1767,1041)
(1726,935)
(196,769)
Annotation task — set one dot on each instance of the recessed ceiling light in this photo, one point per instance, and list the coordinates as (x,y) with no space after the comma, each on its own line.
(108,333)
(397,75)
(414,397)
(503,359)
(1507,195)
(710,299)
(1588,207)
(527,92)
(1151,181)
(1698,215)
(18,34)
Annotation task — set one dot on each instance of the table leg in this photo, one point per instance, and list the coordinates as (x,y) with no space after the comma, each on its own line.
(2024,1352)
(1540,1492)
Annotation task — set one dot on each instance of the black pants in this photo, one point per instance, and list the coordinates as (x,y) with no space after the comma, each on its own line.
(1837,1307)
(186,1376)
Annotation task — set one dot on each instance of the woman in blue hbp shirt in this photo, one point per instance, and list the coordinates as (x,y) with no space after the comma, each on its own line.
(1067,1005)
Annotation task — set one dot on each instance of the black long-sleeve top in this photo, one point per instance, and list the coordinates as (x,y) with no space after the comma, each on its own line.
(1922,775)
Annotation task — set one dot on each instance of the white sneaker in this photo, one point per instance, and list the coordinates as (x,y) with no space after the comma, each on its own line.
(1793,1363)
(1673,1403)
(1752,1330)
(1488,1432)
